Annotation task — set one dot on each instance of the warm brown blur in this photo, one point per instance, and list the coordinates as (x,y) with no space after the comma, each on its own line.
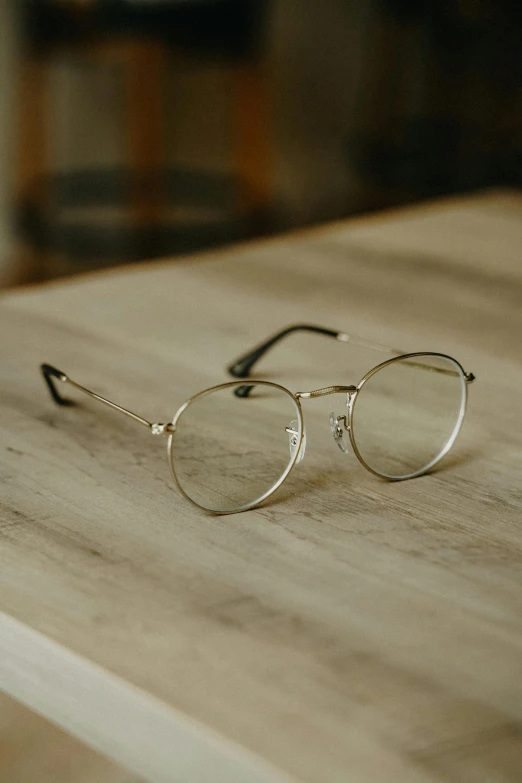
(134,130)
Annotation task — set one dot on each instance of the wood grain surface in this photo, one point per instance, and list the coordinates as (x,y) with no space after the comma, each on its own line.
(350,630)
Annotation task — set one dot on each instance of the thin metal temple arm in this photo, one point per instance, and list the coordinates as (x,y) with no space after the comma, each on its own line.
(242,366)
(51,375)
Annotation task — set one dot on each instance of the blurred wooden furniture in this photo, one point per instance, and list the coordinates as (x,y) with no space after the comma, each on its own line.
(34,751)
(352,629)
(139,37)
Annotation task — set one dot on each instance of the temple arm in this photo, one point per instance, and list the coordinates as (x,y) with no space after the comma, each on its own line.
(52,375)
(242,366)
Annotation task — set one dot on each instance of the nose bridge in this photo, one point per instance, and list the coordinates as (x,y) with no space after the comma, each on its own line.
(349,390)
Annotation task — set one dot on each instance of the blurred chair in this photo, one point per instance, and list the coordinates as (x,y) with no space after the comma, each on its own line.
(139,34)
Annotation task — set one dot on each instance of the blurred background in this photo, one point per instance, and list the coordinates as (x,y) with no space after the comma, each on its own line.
(135,129)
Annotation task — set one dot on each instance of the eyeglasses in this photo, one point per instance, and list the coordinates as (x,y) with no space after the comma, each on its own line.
(230,447)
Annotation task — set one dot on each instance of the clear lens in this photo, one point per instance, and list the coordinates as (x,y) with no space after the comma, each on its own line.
(408,413)
(228,452)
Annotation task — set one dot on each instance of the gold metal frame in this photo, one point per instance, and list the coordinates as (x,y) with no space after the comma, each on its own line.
(230,385)
(51,375)
(465,378)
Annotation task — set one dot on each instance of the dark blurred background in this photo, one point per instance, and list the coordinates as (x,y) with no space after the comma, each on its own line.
(134,129)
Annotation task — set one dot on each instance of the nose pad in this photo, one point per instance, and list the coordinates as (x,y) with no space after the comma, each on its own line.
(293,439)
(339,429)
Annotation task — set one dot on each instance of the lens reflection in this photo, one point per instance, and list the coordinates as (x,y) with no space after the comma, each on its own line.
(228,452)
(408,413)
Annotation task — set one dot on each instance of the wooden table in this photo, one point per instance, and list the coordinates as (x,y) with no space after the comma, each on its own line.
(352,629)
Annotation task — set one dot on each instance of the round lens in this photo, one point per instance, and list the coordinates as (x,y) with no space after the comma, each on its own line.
(235,444)
(408,413)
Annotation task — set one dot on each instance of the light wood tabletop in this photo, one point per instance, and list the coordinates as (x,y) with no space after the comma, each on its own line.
(351,629)
(32,750)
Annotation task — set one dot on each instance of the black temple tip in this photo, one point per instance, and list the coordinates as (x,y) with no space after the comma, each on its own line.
(243,391)
(50,373)
(242,366)
(235,370)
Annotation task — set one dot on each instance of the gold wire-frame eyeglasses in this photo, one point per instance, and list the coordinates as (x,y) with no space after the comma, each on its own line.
(217,475)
